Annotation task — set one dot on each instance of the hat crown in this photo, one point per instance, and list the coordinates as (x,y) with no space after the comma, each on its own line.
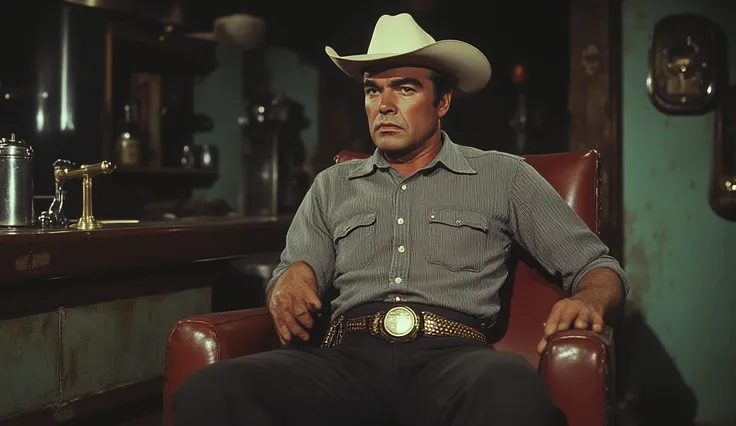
(395,34)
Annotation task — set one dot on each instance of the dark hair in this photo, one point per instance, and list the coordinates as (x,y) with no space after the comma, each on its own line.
(442,84)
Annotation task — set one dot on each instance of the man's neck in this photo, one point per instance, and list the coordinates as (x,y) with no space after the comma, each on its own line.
(409,163)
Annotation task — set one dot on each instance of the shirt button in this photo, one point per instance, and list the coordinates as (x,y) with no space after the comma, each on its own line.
(398,299)
(400,221)
(402,249)
(403,187)
(398,280)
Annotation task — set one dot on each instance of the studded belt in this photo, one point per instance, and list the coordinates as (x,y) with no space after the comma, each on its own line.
(400,324)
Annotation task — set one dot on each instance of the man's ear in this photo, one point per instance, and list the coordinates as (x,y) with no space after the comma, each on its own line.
(444,104)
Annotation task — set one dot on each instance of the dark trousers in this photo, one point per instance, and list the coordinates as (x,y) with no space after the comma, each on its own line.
(367,381)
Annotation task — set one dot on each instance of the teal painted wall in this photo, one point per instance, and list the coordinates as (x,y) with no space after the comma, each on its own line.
(299,80)
(678,252)
(219,96)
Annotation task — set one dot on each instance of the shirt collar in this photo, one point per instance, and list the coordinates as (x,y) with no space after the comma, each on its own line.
(450,156)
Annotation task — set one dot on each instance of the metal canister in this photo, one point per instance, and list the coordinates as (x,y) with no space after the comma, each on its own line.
(16,183)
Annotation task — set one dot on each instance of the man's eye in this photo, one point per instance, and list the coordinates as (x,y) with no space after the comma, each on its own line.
(407,90)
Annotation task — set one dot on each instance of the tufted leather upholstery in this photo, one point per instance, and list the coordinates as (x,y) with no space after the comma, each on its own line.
(577,365)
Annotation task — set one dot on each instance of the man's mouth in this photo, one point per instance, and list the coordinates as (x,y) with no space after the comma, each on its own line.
(388,128)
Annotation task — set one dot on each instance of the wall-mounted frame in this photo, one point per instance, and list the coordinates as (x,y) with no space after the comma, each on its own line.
(688,65)
(722,192)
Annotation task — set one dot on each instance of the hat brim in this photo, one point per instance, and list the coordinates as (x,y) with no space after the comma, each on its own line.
(467,65)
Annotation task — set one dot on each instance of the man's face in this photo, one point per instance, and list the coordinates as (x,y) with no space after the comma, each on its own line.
(399,103)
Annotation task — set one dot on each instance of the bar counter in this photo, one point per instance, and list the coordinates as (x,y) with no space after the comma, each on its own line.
(84,315)
(36,253)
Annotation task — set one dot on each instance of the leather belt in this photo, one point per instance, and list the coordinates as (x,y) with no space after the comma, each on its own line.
(400,324)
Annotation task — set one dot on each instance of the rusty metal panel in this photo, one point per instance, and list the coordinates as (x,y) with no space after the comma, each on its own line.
(124,341)
(29,352)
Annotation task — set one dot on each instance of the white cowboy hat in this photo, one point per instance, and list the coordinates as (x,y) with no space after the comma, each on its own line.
(399,39)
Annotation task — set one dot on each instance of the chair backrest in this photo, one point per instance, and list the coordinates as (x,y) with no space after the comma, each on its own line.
(530,293)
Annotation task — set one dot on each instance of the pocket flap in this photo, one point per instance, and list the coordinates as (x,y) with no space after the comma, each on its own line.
(358,221)
(458,218)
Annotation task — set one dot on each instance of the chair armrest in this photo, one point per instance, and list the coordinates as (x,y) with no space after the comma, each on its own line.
(578,367)
(205,339)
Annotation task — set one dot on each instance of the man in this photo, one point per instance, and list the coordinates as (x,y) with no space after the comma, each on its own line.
(415,240)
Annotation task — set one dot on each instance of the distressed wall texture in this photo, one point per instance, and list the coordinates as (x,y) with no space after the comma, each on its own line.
(55,357)
(681,256)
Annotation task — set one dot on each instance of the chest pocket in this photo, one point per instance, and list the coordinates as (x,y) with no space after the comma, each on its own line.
(458,239)
(354,242)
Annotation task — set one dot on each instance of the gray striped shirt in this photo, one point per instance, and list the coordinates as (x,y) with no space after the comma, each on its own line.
(439,237)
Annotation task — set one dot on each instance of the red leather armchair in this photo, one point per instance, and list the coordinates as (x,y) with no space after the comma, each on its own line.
(577,365)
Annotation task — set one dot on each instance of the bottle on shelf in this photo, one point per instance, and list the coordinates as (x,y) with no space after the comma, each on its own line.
(129,145)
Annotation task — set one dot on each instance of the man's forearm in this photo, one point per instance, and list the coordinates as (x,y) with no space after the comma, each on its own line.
(600,287)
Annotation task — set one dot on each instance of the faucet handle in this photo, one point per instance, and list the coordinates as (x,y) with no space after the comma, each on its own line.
(66,170)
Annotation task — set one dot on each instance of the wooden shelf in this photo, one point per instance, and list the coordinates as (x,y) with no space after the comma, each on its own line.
(193,177)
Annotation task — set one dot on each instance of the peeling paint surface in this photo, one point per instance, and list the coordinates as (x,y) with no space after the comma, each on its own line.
(70,353)
(28,368)
(115,343)
(679,254)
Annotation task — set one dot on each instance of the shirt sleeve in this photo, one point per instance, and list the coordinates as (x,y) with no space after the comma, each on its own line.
(550,230)
(309,239)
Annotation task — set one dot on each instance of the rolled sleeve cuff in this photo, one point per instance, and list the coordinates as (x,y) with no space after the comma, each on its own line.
(602,262)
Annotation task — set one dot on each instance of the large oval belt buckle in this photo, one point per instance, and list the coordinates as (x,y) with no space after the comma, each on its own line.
(401,324)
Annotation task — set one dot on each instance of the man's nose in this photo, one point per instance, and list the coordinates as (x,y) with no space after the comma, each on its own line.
(388,106)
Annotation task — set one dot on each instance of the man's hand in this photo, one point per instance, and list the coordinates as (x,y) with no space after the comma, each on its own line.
(292,301)
(574,313)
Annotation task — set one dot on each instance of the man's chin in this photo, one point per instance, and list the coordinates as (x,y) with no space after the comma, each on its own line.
(391,143)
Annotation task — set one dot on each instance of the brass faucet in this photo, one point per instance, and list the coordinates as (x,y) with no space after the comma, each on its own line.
(86,173)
